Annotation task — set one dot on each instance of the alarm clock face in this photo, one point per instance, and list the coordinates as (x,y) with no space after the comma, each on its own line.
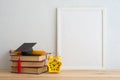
(54,65)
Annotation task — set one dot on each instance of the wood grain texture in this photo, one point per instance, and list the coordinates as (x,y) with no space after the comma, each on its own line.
(64,75)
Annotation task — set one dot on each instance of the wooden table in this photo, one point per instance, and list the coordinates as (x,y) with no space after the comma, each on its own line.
(63,75)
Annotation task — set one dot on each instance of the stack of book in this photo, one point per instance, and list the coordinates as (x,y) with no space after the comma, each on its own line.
(29,64)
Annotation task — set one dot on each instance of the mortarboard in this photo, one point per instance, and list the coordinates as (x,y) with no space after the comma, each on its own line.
(26,48)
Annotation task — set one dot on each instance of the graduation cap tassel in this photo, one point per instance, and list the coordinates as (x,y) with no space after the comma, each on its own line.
(19,64)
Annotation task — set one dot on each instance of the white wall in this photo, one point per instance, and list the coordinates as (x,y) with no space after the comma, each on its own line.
(35,21)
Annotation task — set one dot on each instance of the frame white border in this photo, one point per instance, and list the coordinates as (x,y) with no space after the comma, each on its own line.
(103,10)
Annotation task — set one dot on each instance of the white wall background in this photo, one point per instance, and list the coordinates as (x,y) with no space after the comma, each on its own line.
(35,21)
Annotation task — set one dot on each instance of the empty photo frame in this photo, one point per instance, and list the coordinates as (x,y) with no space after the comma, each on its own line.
(80,37)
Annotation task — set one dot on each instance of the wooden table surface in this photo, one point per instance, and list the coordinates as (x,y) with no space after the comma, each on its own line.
(64,75)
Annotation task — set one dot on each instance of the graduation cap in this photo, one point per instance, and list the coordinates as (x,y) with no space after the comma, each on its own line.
(26,48)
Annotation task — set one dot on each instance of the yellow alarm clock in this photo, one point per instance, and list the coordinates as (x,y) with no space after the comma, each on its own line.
(54,63)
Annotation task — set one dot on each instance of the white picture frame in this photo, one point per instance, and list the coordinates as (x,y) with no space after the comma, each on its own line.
(60,13)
